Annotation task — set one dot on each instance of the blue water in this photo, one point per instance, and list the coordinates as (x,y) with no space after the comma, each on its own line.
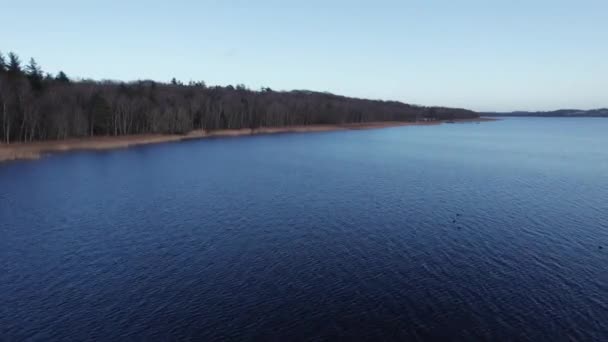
(464,231)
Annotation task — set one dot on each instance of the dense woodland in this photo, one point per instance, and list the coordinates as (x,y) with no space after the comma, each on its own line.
(39,106)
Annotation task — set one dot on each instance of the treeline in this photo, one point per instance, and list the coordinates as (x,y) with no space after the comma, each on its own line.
(39,106)
(597,113)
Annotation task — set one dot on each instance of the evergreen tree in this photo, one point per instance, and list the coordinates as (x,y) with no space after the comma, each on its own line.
(14,64)
(3,65)
(62,77)
(34,74)
(33,69)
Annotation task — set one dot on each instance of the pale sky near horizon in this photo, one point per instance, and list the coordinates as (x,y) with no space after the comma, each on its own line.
(483,55)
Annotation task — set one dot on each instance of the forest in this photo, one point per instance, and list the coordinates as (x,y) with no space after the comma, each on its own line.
(40,106)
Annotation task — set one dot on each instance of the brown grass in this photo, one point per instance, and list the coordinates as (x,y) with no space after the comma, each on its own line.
(36,150)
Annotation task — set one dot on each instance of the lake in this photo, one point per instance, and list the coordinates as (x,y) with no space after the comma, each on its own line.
(469,231)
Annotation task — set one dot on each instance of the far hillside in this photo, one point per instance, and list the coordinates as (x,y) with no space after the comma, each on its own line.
(602,112)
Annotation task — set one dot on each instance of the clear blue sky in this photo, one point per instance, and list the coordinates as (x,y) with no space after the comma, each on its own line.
(483,55)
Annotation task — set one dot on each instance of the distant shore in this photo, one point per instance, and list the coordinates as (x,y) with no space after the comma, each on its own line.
(35,150)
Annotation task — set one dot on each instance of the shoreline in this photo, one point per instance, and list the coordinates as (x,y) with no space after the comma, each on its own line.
(36,150)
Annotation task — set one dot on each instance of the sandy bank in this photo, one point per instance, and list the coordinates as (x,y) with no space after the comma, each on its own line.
(37,149)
